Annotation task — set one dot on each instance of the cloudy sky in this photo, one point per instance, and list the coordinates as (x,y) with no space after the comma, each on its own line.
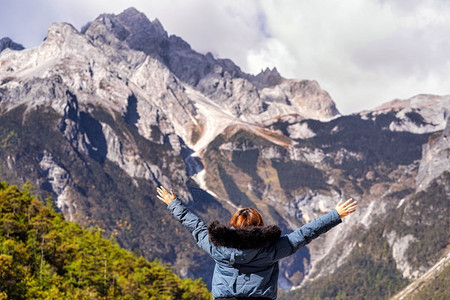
(363,52)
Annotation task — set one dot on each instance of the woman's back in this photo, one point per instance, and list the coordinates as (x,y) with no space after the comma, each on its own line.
(245,264)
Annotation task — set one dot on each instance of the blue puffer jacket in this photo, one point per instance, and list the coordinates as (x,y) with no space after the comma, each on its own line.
(250,272)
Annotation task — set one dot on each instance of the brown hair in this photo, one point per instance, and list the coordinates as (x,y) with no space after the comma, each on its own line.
(246,217)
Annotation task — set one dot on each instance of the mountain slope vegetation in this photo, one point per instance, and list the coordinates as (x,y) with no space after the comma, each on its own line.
(371,272)
(44,257)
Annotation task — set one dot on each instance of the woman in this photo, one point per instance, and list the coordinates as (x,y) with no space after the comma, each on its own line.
(247,252)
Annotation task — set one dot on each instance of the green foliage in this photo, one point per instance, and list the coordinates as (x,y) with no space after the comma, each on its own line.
(425,216)
(9,139)
(370,271)
(44,257)
(437,288)
(429,212)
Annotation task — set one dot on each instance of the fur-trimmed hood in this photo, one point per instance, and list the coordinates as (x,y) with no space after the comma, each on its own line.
(243,238)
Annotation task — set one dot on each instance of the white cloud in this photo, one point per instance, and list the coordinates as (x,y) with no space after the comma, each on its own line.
(363,52)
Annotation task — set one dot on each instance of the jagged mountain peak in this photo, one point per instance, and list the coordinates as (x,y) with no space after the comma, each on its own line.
(132,11)
(130,29)
(219,79)
(127,54)
(7,43)
(272,71)
(267,78)
(139,24)
(109,58)
(60,31)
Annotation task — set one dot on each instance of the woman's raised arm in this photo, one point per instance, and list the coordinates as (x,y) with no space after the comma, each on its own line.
(289,244)
(188,219)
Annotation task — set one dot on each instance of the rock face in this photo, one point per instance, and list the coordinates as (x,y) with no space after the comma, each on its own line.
(99,118)
(219,79)
(419,114)
(435,157)
(60,182)
(7,43)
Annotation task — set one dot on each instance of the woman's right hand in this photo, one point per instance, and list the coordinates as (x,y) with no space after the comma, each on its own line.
(344,209)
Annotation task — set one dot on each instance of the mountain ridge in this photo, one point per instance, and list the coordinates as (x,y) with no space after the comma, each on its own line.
(7,43)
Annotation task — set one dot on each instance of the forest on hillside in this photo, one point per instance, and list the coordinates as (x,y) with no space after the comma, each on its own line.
(42,256)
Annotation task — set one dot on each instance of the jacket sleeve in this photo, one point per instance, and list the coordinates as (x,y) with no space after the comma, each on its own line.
(193,223)
(289,244)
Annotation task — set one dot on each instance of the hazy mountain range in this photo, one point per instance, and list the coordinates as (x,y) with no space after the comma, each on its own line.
(98,118)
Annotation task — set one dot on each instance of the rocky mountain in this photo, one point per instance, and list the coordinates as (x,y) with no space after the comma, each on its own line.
(98,118)
(8,43)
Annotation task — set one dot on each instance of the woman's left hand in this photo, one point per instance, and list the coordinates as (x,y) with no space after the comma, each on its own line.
(164,195)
